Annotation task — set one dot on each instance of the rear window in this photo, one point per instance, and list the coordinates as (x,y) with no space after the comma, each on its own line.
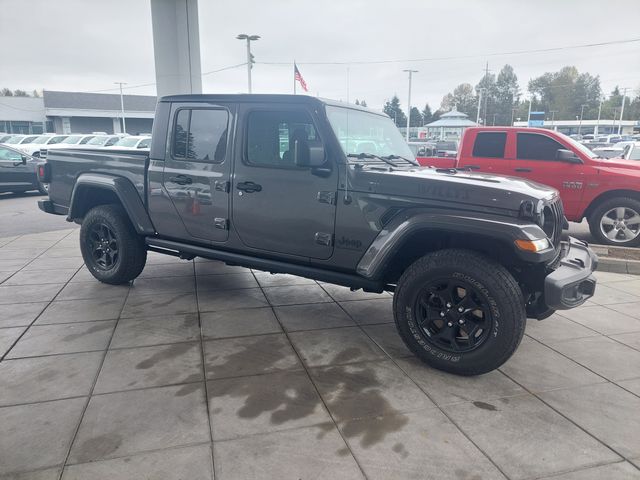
(532,146)
(201,134)
(490,144)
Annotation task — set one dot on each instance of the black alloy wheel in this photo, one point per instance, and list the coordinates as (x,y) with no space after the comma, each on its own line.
(104,246)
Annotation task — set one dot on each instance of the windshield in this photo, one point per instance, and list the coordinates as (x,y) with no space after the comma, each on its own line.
(27,139)
(15,139)
(634,154)
(127,142)
(363,132)
(41,139)
(97,141)
(73,139)
(578,146)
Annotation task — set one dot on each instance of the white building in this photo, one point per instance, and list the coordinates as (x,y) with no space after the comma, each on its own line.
(449,126)
(601,127)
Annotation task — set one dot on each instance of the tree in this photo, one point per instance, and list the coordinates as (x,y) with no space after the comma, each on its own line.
(416,118)
(7,93)
(392,108)
(427,116)
(565,91)
(507,95)
(35,94)
(463,98)
(20,93)
(357,102)
(363,103)
(486,91)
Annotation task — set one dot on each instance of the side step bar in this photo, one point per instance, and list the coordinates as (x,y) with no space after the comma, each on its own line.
(184,250)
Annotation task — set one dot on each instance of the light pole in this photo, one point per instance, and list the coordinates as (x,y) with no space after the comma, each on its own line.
(494,120)
(479,104)
(596,130)
(411,72)
(249,39)
(624,97)
(513,112)
(553,118)
(581,114)
(124,123)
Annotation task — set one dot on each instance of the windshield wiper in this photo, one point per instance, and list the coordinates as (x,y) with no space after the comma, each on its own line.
(392,157)
(362,156)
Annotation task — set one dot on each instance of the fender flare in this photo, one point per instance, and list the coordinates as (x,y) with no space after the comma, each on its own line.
(125,191)
(381,251)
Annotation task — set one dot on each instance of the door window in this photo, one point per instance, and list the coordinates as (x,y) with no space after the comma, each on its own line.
(532,146)
(200,134)
(272,138)
(490,144)
(10,155)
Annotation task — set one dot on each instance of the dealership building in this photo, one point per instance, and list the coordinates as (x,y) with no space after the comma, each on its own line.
(77,112)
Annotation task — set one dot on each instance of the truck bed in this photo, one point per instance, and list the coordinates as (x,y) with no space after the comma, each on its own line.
(67,165)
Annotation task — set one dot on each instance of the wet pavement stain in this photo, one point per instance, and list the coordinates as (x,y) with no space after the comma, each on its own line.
(400,450)
(168,353)
(189,388)
(485,406)
(99,447)
(99,327)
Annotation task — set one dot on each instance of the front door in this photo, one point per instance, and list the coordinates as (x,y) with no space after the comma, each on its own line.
(196,170)
(279,206)
(536,160)
(14,175)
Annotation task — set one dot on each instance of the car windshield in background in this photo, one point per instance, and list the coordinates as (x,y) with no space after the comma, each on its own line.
(26,140)
(127,142)
(72,140)
(14,140)
(97,141)
(578,146)
(368,133)
(634,154)
(41,139)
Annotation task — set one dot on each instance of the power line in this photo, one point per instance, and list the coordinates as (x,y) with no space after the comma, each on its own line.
(461,57)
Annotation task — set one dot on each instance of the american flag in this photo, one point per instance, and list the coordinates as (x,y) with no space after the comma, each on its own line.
(299,78)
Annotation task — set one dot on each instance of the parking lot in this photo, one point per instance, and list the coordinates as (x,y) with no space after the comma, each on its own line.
(200,367)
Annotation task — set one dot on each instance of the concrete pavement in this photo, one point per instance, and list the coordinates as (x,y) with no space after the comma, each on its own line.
(198,367)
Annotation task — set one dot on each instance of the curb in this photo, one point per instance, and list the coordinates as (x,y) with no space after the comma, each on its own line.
(617,259)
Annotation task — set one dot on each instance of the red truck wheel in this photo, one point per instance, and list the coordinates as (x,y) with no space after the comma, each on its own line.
(616,222)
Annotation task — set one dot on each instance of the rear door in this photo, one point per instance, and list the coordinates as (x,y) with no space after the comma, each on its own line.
(536,160)
(14,176)
(196,169)
(487,154)
(278,206)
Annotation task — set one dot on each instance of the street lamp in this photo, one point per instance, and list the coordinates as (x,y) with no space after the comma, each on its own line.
(124,123)
(553,118)
(411,72)
(581,114)
(249,39)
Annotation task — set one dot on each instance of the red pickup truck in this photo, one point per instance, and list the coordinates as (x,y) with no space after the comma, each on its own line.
(605,191)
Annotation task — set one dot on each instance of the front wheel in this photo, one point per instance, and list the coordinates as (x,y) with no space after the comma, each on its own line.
(616,222)
(459,311)
(112,250)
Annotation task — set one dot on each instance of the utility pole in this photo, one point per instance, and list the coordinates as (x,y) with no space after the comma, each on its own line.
(529,114)
(581,114)
(410,72)
(124,123)
(486,97)
(624,97)
(479,104)
(250,61)
(597,127)
(553,118)
(513,112)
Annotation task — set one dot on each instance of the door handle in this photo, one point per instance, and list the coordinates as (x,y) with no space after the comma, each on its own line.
(181,180)
(472,167)
(521,169)
(249,187)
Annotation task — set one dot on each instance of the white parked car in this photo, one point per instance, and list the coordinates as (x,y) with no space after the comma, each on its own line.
(133,142)
(87,141)
(610,151)
(632,151)
(33,147)
(16,140)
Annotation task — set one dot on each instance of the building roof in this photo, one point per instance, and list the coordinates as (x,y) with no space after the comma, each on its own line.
(454,113)
(98,101)
(454,118)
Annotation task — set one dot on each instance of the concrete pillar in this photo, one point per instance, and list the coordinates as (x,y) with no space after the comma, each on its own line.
(117,128)
(176,46)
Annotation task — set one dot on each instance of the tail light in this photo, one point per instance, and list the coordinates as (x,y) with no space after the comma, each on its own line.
(44,172)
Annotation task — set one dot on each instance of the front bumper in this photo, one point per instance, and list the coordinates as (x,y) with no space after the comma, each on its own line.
(572,282)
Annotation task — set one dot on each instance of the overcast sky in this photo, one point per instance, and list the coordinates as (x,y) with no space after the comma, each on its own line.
(87,45)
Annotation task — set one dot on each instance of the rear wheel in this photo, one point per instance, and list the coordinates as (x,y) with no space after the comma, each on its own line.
(616,222)
(43,188)
(112,250)
(459,312)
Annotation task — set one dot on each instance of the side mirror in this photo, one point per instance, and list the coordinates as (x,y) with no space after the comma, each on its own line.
(24,159)
(568,156)
(308,155)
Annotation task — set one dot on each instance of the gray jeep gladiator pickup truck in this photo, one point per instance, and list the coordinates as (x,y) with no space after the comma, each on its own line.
(330,191)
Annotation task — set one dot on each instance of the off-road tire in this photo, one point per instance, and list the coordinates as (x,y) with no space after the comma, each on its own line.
(600,210)
(495,285)
(132,253)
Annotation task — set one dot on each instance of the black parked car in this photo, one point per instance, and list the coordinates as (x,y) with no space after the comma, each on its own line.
(18,171)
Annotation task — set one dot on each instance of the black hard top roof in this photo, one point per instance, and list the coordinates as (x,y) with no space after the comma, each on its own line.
(262,98)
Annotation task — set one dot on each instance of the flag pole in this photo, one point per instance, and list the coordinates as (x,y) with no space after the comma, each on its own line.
(294,77)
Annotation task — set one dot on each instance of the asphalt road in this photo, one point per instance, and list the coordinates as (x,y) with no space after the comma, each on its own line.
(19,214)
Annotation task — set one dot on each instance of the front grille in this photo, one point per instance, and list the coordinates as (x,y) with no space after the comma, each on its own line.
(553,228)
(43,153)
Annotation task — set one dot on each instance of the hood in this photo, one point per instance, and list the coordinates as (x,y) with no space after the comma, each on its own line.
(437,186)
(618,163)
